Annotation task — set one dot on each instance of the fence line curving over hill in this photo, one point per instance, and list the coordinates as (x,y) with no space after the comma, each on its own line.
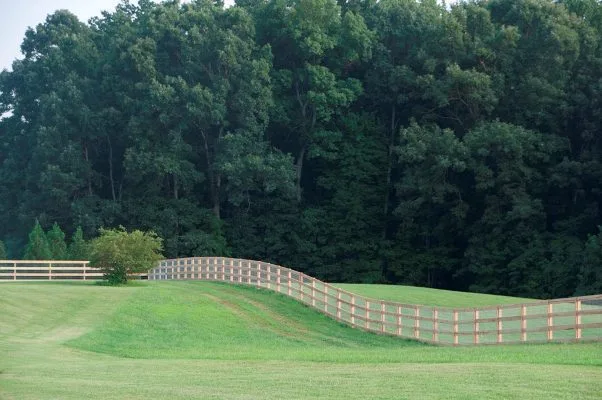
(570,319)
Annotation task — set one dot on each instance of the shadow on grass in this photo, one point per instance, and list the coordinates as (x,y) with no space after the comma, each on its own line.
(80,282)
(136,283)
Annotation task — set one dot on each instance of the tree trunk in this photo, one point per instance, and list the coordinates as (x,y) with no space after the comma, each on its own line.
(175,187)
(111,178)
(215,180)
(299,170)
(89,177)
(216,197)
(391,145)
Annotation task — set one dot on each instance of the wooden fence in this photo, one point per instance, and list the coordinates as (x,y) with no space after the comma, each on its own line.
(13,270)
(572,319)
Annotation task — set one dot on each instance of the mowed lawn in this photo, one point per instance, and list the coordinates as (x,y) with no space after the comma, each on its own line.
(182,340)
(429,297)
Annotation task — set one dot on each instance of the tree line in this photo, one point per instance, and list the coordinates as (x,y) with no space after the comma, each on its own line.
(394,141)
(52,245)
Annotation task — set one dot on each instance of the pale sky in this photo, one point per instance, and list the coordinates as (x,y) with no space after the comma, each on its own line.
(17,15)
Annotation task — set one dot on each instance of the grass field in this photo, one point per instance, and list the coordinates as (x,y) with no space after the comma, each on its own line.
(182,340)
(429,297)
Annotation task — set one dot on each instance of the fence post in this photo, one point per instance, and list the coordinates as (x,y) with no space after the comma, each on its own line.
(269,276)
(550,321)
(258,274)
(249,265)
(353,310)
(455,329)
(49,271)
(14,271)
(231,270)
(578,319)
(338,304)
(435,325)
(523,323)
(289,283)
(84,271)
(278,279)
(399,326)
(476,327)
(313,292)
(499,316)
(367,322)
(300,286)
(382,316)
(416,322)
(223,269)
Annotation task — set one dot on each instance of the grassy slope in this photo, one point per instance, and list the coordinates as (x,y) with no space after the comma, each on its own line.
(429,297)
(191,339)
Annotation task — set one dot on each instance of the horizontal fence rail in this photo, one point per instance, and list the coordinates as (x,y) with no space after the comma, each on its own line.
(571,319)
(19,270)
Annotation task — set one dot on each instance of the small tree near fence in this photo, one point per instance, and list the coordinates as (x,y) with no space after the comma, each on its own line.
(37,247)
(119,253)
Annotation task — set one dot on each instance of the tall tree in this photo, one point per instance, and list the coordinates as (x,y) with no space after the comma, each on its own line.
(315,46)
(431,203)
(37,248)
(56,242)
(78,248)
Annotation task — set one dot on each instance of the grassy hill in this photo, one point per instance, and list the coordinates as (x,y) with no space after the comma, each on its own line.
(209,340)
(429,297)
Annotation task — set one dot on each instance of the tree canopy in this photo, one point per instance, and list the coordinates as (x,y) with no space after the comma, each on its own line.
(396,141)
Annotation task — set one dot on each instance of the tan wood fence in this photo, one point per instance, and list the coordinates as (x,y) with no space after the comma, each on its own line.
(571,319)
(13,270)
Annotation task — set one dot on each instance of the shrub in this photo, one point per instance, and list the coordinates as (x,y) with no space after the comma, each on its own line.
(2,251)
(119,253)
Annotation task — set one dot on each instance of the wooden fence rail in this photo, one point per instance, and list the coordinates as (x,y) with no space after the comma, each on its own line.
(13,270)
(571,319)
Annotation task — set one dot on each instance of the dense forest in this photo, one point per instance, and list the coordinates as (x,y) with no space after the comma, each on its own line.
(395,141)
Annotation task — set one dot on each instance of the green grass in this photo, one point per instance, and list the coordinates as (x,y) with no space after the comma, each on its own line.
(429,297)
(181,340)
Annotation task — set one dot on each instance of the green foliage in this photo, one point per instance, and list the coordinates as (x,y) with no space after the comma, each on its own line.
(37,248)
(78,248)
(56,243)
(397,141)
(3,255)
(119,253)
(590,275)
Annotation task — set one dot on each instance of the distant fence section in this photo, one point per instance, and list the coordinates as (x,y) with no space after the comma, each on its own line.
(19,270)
(572,319)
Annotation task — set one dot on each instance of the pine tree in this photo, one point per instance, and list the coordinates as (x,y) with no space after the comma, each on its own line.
(37,247)
(56,242)
(78,248)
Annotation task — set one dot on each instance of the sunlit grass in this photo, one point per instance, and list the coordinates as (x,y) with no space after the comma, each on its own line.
(185,340)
